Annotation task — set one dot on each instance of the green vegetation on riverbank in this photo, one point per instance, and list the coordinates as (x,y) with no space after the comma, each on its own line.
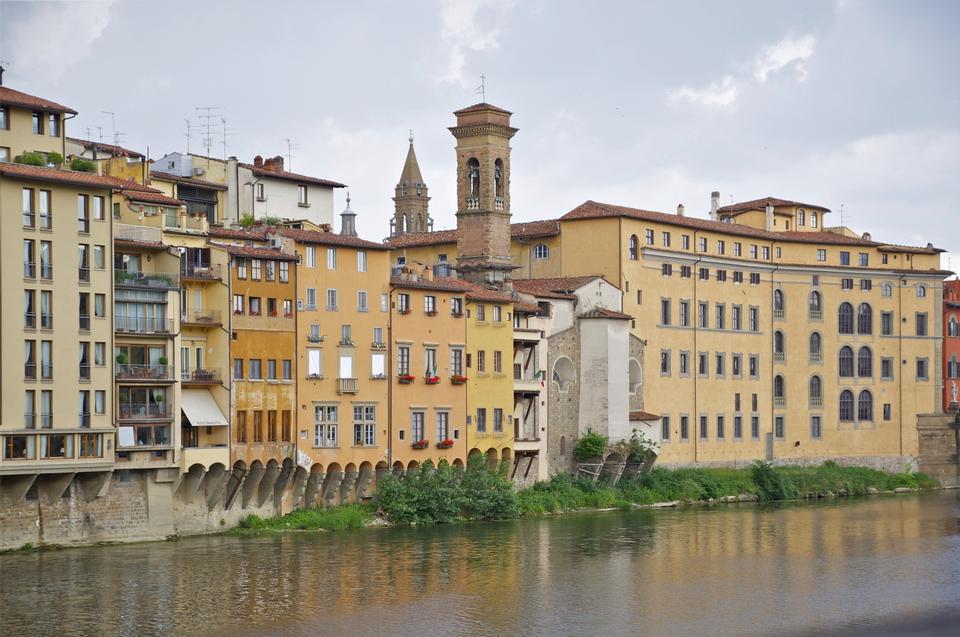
(338,518)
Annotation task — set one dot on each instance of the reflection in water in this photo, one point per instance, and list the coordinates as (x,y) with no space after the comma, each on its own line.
(733,569)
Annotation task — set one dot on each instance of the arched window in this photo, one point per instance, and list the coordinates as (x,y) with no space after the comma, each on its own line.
(953,368)
(816,390)
(886,290)
(845,318)
(865,362)
(816,305)
(921,290)
(473,177)
(953,326)
(815,347)
(778,342)
(865,319)
(813,220)
(779,389)
(846,361)
(541,251)
(498,178)
(800,218)
(636,375)
(779,303)
(634,247)
(865,406)
(563,446)
(564,372)
(846,406)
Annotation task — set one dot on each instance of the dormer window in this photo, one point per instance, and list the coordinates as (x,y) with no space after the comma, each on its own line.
(801,218)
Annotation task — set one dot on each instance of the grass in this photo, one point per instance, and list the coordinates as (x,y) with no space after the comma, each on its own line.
(337,518)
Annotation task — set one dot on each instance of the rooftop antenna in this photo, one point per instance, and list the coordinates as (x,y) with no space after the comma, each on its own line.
(208,116)
(841,215)
(227,132)
(3,67)
(291,146)
(482,89)
(100,134)
(113,125)
(89,134)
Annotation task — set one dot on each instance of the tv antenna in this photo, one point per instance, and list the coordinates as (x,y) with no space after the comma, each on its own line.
(482,89)
(208,116)
(227,132)
(113,126)
(3,67)
(291,146)
(841,215)
(190,129)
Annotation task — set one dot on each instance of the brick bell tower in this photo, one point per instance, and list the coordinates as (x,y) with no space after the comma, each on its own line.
(483,135)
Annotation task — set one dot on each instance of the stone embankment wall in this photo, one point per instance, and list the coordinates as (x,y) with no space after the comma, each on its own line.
(938,449)
(893,464)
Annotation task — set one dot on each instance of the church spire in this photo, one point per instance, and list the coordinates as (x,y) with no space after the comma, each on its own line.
(348,220)
(410,198)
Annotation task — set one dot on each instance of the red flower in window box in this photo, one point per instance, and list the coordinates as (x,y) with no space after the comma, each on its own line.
(405,310)
(457,379)
(237,312)
(406,378)
(445,444)
(432,380)
(273,313)
(420,444)
(431,312)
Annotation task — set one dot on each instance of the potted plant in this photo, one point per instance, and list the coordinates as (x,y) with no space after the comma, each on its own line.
(431,380)
(121,359)
(162,360)
(458,379)
(431,312)
(420,444)
(405,310)
(406,378)
(445,444)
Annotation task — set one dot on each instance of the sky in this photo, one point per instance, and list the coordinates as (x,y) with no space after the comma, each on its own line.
(848,104)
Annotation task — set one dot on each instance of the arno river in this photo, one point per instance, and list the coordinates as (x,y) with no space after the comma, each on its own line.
(729,569)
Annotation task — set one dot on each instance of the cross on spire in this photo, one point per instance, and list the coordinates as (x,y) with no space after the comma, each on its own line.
(411,136)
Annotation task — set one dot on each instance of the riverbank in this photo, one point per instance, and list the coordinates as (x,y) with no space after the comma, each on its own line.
(440,496)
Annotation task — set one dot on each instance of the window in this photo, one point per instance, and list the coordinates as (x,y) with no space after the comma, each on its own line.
(721,246)
(238,369)
(754,366)
(704,274)
(816,391)
(648,237)
(665,362)
(846,406)
(100,354)
(481,420)
(886,323)
(255,307)
(53,125)
(361,260)
(46,359)
(664,428)
(685,241)
(703,320)
(541,251)
(241,268)
(736,362)
(778,427)
(813,220)
(311,256)
(863,259)
(702,364)
(684,428)
(37,124)
(846,284)
(634,247)
(738,427)
(815,305)
(497,362)
(754,278)
(821,254)
(766,253)
(779,303)
(702,244)
(736,318)
(816,351)
(481,312)
(497,314)
(754,319)
(665,312)
(845,361)
(703,427)
(361,301)
(801,218)
(284,272)
(331,299)
(497,420)
(754,427)
(684,313)
(865,362)
(921,322)
(865,319)
(311,298)
(666,269)
(287,369)
(753,251)
(403,360)
(845,319)
(887,411)
(737,276)
(443,426)
(721,424)
(721,276)
(302,196)
(314,367)
(331,258)
(865,406)
(684,363)
(844,258)
(922,369)
(254,367)
(686,271)
(866,285)
(737,249)
(778,351)
(665,239)
(779,391)
(721,316)
(481,361)
(325,424)
(886,369)
(886,290)
(271,370)
(255,269)
(456,361)
(364,425)
(384,302)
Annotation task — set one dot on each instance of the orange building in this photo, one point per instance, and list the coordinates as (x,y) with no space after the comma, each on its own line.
(951,342)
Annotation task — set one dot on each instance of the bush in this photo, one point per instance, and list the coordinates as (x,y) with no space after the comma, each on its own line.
(271,221)
(83,165)
(247,220)
(591,445)
(338,518)
(772,483)
(31,159)
(54,158)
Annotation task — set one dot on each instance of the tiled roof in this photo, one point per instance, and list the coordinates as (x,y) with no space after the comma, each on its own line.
(558,288)
(601,313)
(289,176)
(523,306)
(482,106)
(134,243)
(761,204)
(150,196)
(255,252)
(118,151)
(253,233)
(330,238)
(892,247)
(525,229)
(162,176)
(476,292)
(17,98)
(75,177)
(596,210)
(444,284)
(642,415)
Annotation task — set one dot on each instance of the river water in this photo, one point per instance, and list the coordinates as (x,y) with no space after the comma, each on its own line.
(724,570)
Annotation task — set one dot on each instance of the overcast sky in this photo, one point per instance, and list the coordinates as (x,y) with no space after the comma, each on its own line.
(651,104)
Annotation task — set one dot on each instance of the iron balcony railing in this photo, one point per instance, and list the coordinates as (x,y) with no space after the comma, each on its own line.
(202,317)
(46,421)
(137,372)
(29,270)
(29,421)
(153,280)
(84,371)
(29,319)
(29,219)
(84,420)
(347,386)
(85,322)
(83,225)
(83,274)
(30,371)
(203,271)
(142,325)
(143,411)
(212,376)
(46,270)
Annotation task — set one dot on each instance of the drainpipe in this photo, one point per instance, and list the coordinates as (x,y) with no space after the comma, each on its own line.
(389,375)
(773,371)
(900,280)
(695,274)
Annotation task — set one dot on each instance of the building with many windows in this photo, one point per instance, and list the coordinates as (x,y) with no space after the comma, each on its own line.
(951,344)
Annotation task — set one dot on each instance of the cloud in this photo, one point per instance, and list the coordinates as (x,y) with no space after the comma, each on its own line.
(789,51)
(470,25)
(53,37)
(720,94)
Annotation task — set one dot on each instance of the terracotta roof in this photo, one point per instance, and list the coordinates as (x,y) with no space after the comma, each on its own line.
(444,284)
(521,230)
(892,247)
(482,106)
(152,197)
(118,151)
(17,98)
(761,204)
(162,176)
(596,210)
(134,243)
(476,292)
(523,306)
(601,313)
(642,415)
(75,177)
(330,238)
(557,288)
(255,252)
(289,176)
(253,233)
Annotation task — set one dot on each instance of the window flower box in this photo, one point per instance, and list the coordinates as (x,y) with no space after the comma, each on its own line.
(404,310)
(237,312)
(458,380)
(431,312)
(378,377)
(432,380)
(445,444)
(406,379)
(274,313)
(456,314)
(420,444)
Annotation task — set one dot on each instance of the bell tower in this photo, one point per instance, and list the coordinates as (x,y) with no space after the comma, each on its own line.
(483,134)
(410,199)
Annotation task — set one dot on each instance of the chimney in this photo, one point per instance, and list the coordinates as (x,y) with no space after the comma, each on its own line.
(680,210)
(769,219)
(258,161)
(278,163)
(714,204)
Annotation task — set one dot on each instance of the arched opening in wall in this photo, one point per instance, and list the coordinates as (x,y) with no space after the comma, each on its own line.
(506,455)
(845,361)
(816,352)
(816,391)
(333,468)
(541,251)
(350,468)
(498,179)
(636,376)
(493,458)
(473,183)
(779,303)
(474,452)
(397,469)
(634,247)
(458,463)
(845,318)
(316,468)
(412,466)
(563,446)
(815,306)
(865,406)
(865,362)
(564,373)
(256,465)
(846,406)
(865,319)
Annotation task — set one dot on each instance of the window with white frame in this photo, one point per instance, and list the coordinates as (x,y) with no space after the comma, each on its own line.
(443,426)
(331,299)
(325,425)
(541,251)
(331,258)
(361,260)
(364,425)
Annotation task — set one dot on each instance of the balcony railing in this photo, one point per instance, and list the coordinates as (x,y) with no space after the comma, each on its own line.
(83,274)
(46,220)
(46,371)
(473,203)
(347,386)
(137,372)
(83,225)
(137,233)
(29,421)
(202,376)
(154,280)
(200,271)
(498,203)
(46,421)
(84,420)
(779,357)
(84,371)
(29,270)
(143,411)
(202,317)
(29,219)
(816,315)
(30,371)
(85,322)
(46,270)
(779,401)
(315,338)
(443,270)
(816,357)
(142,325)
(816,401)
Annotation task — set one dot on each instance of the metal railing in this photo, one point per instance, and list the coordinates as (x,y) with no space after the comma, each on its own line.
(203,271)
(779,357)
(46,421)
(29,219)
(142,325)
(143,411)
(83,274)
(30,371)
(208,317)
(779,314)
(347,386)
(85,322)
(29,421)
(46,270)
(84,370)
(155,280)
(46,220)
(83,225)
(46,371)
(816,357)
(212,376)
(84,420)
(315,338)
(29,319)
(816,315)
(137,233)
(139,372)
(779,401)
(46,321)
(29,270)
(816,401)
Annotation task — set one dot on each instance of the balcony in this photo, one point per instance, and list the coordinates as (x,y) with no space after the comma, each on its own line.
(816,402)
(816,357)
(347,386)
(144,411)
(142,325)
(200,272)
(29,270)
(498,203)
(779,402)
(202,377)
(143,373)
(202,318)
(144,234)
(143,437)
(816,315)
(151,280)
(779,314)
(473,203)
(779,357)
(315,338)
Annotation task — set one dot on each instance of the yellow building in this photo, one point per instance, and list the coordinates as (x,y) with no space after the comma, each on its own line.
(31,124)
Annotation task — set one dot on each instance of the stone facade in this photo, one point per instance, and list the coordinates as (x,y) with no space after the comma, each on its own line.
(939,449)
(563,403)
